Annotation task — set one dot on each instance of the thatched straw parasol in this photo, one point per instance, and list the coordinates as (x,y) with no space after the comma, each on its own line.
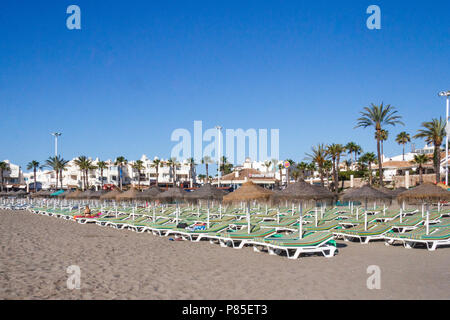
(397,191)
(110,195)
(365,193)
(64,194)
(171,195)
(97,194)
(426,192)
(302,190)
(149,194)
(248,192)
(21,193)
(206,192)
(130,194)
(74,194)
(41,194)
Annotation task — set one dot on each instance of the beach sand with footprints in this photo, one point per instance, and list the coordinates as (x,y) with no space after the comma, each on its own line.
(119,264)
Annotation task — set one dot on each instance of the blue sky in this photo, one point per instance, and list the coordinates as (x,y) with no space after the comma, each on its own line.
(137,70)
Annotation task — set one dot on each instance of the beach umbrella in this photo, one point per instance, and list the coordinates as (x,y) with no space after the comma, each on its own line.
(74,194)
(366,193)
(64,194)
(425,193)
(111,195)
(206,192)
(174,194)
(303,191)
(246,193)
(97,194)
(128,195)
(84,195)
(149,194)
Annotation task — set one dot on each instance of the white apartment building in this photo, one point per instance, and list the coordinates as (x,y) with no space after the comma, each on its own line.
(14,177)
(72,177)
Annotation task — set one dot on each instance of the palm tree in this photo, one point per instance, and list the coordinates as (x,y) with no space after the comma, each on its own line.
(62,164)
(138,165)
(420,160)
(172,164)
(57,164)
(120,163)
(311,168)
(33,164)
(206,160)
(327,167)
(335,151)
(288,176)
(267,164)
(383,134)
(4,166)
(434,132)
(353,149)
(156,164)
(369,158)
(302,167)
(280,168)
(403,138)
(102,165)
(318,156)
(192,164)
(377,117)
(83,163)
(347,163)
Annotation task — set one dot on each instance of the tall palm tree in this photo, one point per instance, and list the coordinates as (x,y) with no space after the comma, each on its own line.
(377,117)
(206,160)
(172,164)
(311,168)
(34,165)
(280,169)
(369,158)
(335,151)
(120,163)
(62,164)
(83,163)
(327,168)
(353,149)
(318,156)
(288,170)
(102,165)
(192,164)
(54,163)
(302,167)
(156,163)
(420,160)
(347,163)
(434,132)
(4,167)
(138,165)
(267,164)
(403,138)
(383,136)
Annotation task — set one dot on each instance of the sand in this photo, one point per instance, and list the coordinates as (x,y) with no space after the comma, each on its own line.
(119,264)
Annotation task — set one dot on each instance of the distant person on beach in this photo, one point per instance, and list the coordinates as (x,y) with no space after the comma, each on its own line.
(87,211)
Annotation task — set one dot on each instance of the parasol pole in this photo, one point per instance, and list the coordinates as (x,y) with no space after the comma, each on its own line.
(422,209)
(428,222)
(357,213)
(208,215)
(401,215)
(384,209)
(248,217)
(300,221)
(365,221)
(316,215)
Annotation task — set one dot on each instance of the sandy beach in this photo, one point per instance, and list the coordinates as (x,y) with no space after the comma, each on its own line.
(120,264)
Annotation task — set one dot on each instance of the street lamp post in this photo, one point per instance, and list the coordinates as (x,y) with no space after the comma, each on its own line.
(219,129)
(447,95)
(56,135)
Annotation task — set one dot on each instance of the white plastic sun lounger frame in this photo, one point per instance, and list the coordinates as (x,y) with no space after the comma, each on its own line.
(327,250)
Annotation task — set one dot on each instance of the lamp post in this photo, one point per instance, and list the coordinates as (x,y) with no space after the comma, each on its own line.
(447,95)
(219,129)
(56,135)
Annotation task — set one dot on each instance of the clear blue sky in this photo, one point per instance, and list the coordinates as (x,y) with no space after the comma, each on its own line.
(140,69)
